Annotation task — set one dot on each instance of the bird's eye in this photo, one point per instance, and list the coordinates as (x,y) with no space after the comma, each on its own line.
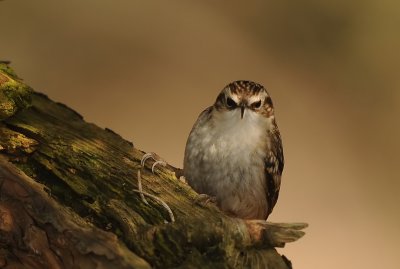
(230,103)
(256,104)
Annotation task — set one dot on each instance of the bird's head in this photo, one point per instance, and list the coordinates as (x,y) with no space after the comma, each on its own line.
(243,96)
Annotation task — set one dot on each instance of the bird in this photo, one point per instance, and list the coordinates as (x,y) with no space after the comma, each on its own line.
(234,152)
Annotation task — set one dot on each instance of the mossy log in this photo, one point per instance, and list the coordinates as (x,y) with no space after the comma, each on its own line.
(69,200)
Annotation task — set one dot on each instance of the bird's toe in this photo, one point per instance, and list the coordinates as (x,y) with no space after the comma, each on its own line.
(157,160)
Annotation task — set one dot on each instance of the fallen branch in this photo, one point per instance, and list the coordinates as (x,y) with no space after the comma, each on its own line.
(68,200)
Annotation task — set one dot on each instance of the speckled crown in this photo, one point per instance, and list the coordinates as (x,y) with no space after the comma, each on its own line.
(245,86)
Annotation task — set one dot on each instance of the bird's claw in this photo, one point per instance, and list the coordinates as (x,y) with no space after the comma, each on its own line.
(157,160)
(205,199)
(183,179)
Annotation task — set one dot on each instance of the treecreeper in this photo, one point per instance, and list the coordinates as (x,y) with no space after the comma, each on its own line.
(234,152)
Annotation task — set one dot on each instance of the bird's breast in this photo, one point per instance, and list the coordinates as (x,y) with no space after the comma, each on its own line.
(226,160)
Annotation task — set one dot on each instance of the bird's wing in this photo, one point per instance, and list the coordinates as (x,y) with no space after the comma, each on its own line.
(273,164)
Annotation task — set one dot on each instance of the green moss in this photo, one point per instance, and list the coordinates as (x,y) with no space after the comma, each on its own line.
(7,107)
(14,95)
(56,187)
(19,93)
(5,68)
(15,143)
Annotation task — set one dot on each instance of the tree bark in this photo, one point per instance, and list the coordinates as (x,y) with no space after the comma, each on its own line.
(69,199)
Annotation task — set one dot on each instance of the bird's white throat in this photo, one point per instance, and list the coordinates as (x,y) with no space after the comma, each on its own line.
(239,134)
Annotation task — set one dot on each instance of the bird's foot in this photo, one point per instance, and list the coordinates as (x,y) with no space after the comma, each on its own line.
(157,160)
(182,179)
(205,199)
(179,174)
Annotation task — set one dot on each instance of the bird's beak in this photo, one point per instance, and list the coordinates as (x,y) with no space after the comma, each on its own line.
(242,111)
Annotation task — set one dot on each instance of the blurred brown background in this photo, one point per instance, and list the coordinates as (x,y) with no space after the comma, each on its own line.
(139,67)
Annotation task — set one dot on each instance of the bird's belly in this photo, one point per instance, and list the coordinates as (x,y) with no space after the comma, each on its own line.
(233,173)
